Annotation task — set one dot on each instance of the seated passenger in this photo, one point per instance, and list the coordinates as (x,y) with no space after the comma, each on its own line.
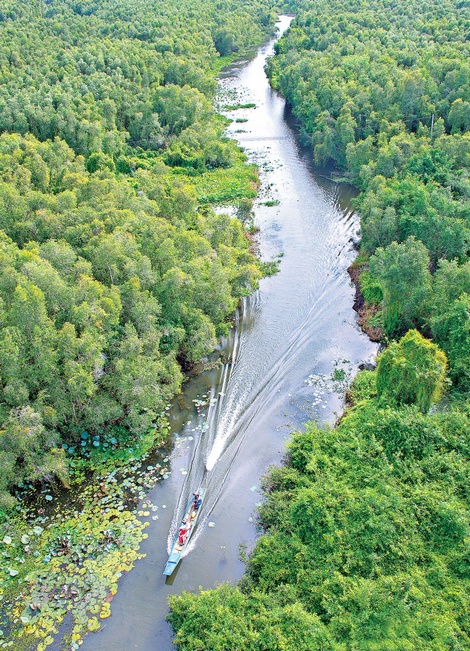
(183,533)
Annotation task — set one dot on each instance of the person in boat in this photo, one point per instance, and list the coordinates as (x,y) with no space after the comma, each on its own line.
(197,501)
(183,532)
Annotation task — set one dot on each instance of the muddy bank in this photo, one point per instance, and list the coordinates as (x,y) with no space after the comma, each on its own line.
(365,311)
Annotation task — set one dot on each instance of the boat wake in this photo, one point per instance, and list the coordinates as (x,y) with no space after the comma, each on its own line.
(250,386)
(287,332)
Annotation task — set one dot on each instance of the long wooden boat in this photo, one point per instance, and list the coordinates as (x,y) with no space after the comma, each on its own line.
(177,549)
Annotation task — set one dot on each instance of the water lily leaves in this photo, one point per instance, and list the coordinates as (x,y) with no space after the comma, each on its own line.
(93,624)
(83,551)
(105,610)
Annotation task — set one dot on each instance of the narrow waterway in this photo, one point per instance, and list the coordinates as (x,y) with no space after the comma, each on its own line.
(295,344)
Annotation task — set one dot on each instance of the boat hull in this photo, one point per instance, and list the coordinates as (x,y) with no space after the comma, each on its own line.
(177,550)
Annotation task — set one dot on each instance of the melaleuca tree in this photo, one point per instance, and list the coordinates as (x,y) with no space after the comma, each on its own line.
(411,371)
(402,270)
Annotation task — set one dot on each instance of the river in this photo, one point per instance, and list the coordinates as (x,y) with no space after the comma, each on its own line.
(295,344)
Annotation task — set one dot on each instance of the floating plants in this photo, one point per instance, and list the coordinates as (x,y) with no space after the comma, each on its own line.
(67,562)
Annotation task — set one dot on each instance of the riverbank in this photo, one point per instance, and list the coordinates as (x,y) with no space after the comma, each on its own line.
(105,342)
(365,525)
(367,313)
(287,360)
(287,357)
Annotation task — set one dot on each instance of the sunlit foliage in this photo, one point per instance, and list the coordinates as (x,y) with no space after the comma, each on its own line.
(367,524)
(112,271)
(366,538)
(382,91)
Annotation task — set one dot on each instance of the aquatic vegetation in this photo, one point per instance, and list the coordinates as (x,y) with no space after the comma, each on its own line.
(325,385)
(114,275)
(61,564)
(227,186)
(236,107)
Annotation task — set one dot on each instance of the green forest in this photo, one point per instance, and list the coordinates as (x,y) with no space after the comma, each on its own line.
(117,274)
(366,531)
(115,271)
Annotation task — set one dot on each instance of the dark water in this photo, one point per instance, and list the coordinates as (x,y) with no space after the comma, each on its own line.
(292,336)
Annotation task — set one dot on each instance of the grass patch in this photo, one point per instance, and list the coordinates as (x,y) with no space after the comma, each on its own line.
(227,185)
(236,107)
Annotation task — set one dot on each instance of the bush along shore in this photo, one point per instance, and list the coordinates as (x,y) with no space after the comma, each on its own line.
(366,526)
(115,273)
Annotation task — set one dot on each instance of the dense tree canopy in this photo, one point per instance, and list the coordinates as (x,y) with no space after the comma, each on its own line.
(382,90)
(412,371)
(112,271)
(91,72)
(367,524)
